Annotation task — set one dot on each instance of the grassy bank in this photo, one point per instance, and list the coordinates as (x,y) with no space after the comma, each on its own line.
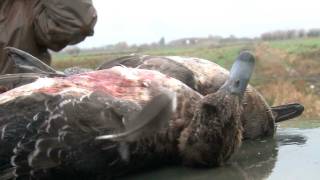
(289,71)
(297,46)
(222,55)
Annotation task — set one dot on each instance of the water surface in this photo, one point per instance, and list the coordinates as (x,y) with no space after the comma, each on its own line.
(294,153)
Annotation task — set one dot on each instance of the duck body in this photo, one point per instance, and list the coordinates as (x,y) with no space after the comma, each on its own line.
(206,77)
(58,135)
(65,114)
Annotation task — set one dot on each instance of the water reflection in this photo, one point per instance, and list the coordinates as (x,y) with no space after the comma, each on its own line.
(258,158)
(290,137)
(292,154)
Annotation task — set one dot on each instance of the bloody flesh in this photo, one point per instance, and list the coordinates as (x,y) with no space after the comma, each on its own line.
(131,84)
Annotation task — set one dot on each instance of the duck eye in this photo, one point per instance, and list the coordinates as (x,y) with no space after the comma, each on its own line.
(237,83)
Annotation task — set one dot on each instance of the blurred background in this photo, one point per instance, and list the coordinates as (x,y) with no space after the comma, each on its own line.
(284,36)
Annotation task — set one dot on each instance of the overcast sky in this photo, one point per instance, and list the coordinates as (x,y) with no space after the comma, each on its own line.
(145,21)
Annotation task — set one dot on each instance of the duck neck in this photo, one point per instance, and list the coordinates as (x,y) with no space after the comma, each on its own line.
(215,131)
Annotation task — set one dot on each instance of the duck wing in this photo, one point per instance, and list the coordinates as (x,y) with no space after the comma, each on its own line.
(26,63)
(11,81)
(60,135)
(165,65)
(128,61)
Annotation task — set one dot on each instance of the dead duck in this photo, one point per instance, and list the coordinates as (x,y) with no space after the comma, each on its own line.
(207,77)
(54,134)
(204,76)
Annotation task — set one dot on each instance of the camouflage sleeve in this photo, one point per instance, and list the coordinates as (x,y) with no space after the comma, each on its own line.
(59,23)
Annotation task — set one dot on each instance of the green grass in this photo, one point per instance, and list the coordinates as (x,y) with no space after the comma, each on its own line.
(86,60)
(297,46)
(223,56)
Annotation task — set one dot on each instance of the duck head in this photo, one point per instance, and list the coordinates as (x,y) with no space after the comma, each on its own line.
(215,131)
(240,74)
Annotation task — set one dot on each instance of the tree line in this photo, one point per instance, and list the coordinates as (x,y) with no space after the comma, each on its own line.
(290,34)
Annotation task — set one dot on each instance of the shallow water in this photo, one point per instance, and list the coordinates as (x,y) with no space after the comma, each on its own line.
(294,153)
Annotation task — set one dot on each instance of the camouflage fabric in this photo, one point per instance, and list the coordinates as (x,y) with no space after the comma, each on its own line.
(38,25)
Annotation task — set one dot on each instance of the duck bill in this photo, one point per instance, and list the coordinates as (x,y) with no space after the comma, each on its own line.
(240,73)
(287,111)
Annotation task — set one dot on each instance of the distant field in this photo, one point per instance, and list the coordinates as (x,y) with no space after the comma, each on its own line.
(221,55)
(286,71)
(297,46)
(83,59)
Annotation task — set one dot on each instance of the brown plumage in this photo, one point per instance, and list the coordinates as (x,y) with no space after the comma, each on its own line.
(50,135)
(55,136)
(215,132)
(207,77)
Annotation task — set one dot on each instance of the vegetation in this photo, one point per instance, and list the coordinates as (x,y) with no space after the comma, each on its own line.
(222,55)
(287,70)
(88,60)
(299,46)
(290,34)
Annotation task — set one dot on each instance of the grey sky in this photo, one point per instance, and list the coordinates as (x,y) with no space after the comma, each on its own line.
(145,21)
